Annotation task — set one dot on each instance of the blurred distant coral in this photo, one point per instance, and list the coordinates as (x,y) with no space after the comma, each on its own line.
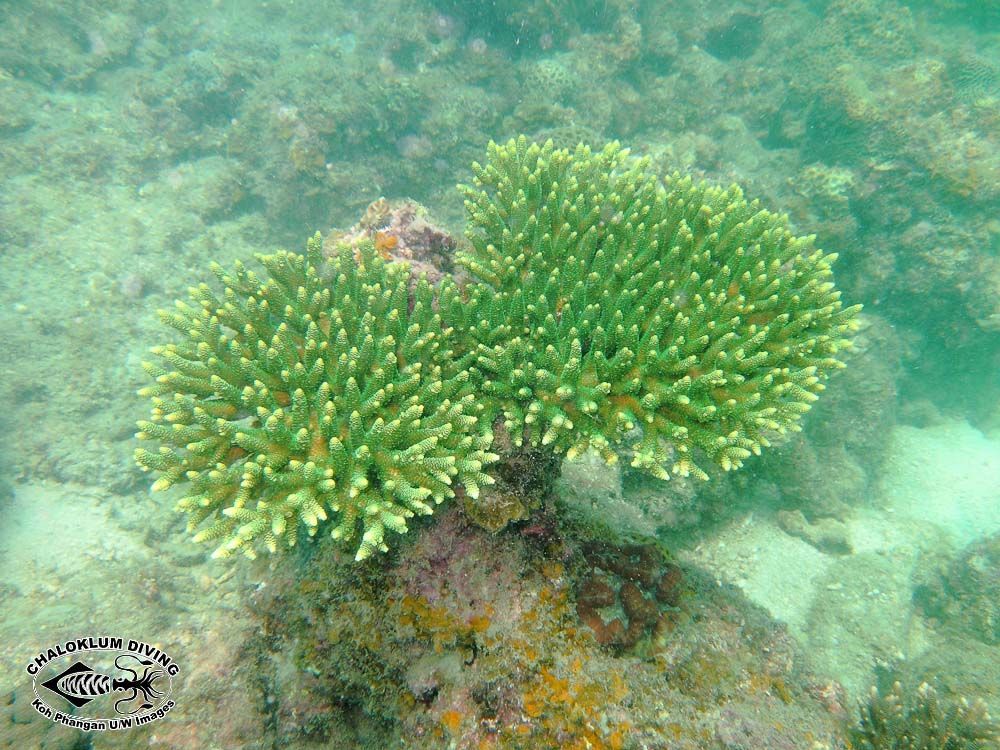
(964,595)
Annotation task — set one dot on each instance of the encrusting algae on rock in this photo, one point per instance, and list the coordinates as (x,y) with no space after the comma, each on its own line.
(603,308)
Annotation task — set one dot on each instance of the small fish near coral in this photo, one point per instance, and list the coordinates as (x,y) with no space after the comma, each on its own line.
(600,307)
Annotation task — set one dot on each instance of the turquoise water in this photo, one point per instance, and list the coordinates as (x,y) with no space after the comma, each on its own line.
(140,142)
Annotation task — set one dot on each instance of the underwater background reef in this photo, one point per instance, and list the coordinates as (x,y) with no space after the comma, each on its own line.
(566,603)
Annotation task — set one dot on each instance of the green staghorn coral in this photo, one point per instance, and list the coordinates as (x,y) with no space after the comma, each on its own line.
(605,300)
(922,721)
(313,392)
(606,309)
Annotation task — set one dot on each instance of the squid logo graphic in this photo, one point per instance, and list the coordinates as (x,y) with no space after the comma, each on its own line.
(79,684)
(137,689)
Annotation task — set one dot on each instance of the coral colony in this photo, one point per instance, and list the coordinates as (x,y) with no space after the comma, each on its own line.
(600,307)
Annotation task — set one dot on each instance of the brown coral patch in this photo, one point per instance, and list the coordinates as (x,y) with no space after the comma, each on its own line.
(627,594)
